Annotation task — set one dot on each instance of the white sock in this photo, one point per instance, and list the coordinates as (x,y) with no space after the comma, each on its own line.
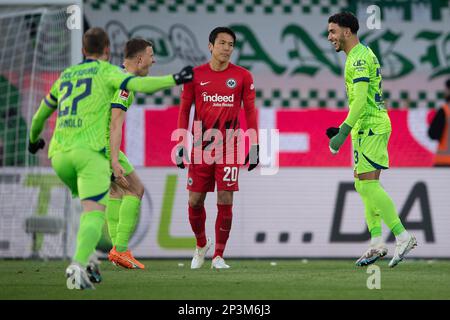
(376,241)
(403,236)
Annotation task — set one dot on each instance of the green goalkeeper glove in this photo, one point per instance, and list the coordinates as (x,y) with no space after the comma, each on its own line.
(338,140)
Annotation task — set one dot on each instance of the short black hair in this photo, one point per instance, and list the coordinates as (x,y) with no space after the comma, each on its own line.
(345,19)
(95,40)
(447,83)
(136,45)
(216,31)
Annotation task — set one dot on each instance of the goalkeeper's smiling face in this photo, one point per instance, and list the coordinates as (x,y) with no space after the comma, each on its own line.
(336,35)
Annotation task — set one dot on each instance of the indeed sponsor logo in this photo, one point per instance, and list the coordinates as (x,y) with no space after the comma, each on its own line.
(217,98)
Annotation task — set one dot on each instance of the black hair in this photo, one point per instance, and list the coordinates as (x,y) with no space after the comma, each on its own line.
(345,19)
(216,31)
(447,83)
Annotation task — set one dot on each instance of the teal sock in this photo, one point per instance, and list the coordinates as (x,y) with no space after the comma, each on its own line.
(112,217)
(128,216)
(380,201)
(89,233)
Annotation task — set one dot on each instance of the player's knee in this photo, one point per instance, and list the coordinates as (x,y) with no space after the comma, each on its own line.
(136,190)
(115,191)
(225,198)
(140,190)
(196,203)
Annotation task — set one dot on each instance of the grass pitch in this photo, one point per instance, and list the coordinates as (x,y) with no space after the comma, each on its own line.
(247,279)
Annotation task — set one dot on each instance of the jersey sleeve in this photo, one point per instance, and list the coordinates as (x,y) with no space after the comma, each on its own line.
(248,100)
(39,119)
(359,78)
(188,92)
(187,97)
(51,99)
(116,77)
(122,99)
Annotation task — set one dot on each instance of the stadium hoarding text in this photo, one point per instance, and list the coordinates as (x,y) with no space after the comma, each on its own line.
(299,212)
(293,54)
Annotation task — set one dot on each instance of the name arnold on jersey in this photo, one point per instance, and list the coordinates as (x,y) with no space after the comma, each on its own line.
(70,123)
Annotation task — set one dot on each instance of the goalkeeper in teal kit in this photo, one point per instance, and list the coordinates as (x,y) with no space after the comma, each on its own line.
(81,96)
(370,127)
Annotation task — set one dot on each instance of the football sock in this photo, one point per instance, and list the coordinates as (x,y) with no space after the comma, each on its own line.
(375,241)
(380,201)
(403,236)
(373,219)
(89,233)
(197,218)
(112,217)
(128,217)
(223,227)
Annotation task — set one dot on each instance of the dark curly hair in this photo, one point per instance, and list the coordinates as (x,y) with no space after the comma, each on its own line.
(345,19)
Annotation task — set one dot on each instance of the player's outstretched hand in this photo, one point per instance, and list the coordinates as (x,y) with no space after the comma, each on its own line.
(34,147)
(180,153)
(332,131)
(253,157)
(185,75)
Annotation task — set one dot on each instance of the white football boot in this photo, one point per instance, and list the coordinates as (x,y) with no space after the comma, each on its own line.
(199,255)
(77,277)
(372,255)
(402,249)
(219,263)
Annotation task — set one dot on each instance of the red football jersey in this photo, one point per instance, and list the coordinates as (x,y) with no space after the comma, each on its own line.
(218,98)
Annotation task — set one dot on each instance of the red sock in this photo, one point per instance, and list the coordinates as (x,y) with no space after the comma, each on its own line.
(197,217)
(223,227)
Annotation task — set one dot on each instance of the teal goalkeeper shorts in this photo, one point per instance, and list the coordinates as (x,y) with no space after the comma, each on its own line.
(125,163)
(370,151)
(85,172)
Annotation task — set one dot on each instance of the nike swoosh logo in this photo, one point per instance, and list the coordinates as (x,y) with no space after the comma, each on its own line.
(230,184)
(204,83)
(135,266)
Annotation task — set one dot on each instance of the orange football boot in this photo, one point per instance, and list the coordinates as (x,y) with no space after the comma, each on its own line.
(124,259)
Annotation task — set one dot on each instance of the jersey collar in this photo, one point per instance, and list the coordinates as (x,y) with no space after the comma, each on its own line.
(87,61)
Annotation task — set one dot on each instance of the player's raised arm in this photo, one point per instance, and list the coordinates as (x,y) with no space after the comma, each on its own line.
(126,81)
(48,105)
(248,100)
